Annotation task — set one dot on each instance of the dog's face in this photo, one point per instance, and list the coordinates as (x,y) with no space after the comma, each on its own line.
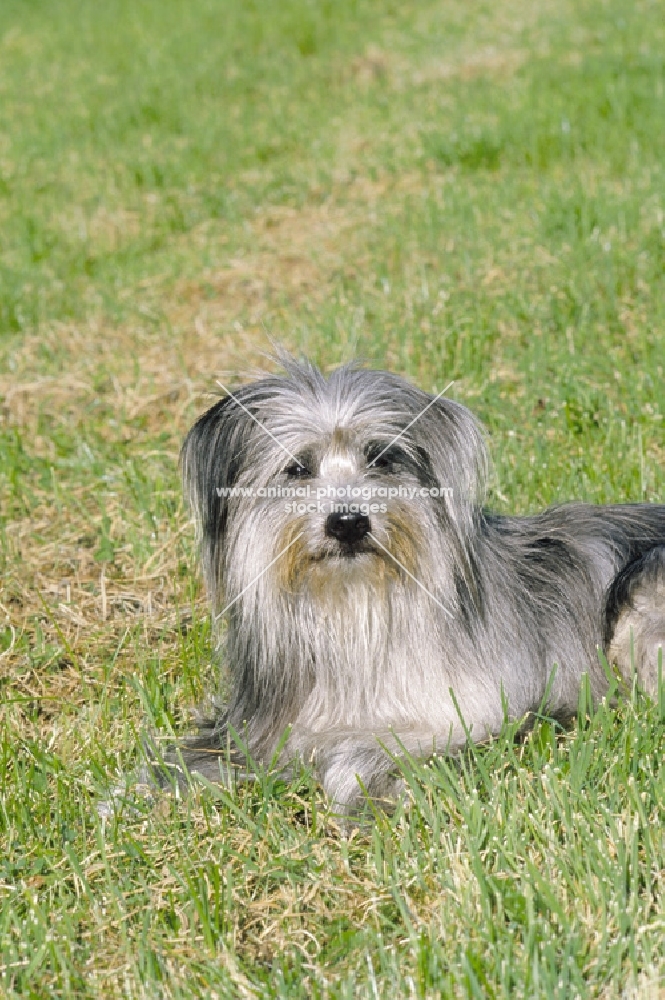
(352,508)
(334,482)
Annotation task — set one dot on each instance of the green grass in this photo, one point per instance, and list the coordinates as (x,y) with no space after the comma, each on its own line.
(451,190)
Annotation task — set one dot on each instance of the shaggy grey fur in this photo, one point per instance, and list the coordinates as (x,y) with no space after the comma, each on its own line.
(373,633)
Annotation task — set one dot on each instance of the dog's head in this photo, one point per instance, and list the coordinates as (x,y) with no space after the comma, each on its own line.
(315,482)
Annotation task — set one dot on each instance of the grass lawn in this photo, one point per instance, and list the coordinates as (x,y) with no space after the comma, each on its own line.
(451,190)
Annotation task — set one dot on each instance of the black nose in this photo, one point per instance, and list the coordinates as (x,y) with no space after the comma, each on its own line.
(347,527)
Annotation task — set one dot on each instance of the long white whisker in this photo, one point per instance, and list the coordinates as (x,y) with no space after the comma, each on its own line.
(412,577)
(258,577)
(262,426)
(410,424)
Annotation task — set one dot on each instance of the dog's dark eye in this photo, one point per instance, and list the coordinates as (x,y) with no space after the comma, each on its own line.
(381,457)
(297,471)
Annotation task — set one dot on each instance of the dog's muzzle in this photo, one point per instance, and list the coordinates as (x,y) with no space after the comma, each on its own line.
(347,528)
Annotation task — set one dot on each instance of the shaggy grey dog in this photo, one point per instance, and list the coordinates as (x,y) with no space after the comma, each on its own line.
(372,605)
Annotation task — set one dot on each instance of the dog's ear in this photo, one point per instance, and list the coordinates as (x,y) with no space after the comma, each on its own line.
(211,459)
(457,453)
